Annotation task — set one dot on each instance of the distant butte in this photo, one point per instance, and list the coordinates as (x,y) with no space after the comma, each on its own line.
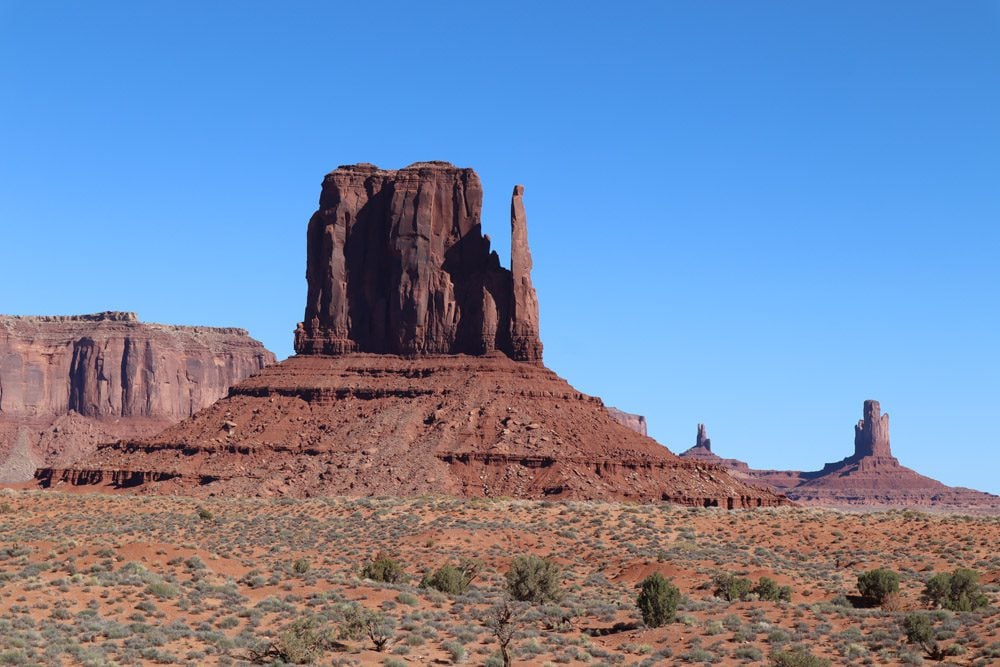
(702,451)
(418,370)
(871,476)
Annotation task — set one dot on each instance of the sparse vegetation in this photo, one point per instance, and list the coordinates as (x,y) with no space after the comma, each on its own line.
(169,588)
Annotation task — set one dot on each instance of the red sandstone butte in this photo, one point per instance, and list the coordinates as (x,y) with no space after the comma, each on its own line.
(418,370)
(871,476)
(68,383)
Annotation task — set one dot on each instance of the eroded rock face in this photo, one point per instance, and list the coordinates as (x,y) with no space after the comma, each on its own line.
(397,263)
(126,377)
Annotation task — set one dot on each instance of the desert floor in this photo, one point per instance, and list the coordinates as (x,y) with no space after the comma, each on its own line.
(100,580)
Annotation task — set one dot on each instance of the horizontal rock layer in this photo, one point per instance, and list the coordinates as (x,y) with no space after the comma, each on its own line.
(363,424)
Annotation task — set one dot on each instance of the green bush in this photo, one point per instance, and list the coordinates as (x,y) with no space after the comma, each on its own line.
(920,630)
(876,585)
(301,566)
(958,591)
(732,588)
(768,589)
(797,656)
(451,579)
(534,579)
(657,601)
(384,568)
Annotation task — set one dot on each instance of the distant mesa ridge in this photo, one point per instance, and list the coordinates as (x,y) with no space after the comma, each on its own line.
(418,370)
(68,382)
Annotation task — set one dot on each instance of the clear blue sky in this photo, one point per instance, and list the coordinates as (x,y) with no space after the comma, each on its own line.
(750,214)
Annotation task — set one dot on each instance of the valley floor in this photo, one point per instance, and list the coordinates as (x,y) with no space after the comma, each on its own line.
(120,580)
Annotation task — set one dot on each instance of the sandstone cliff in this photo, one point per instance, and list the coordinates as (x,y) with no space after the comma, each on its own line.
(397,263)
(107,375)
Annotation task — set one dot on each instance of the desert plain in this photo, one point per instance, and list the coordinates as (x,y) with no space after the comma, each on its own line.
(100,579)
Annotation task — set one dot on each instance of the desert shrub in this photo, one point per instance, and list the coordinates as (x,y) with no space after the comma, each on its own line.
(748,653)
(919,630)
(456,652)
(384,568)
(797,656)
(875,585)
(451,579)
(534,579)
(657,601)
(732,588)
(301,566)
(300,642)
(768,589)
(205,514)
(360,622)
(958,591)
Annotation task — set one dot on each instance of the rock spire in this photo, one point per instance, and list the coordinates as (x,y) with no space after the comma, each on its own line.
(871,435)
(702,440)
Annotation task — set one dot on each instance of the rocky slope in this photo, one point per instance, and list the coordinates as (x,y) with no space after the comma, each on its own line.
(67,383)
(418,371)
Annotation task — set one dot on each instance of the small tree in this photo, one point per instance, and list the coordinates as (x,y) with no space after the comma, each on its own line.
(876,585)
(657,601)
(732,588)
(534,579)
(958,591)
(384,568)
(768,589)
(920,630)
(502,623)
